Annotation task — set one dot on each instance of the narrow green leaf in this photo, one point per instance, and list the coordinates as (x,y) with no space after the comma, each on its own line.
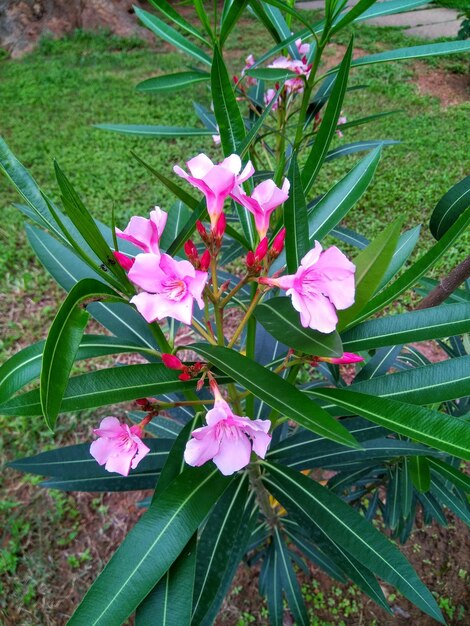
(172,82)
(418,269)
(230,18)
(102,387)
(420,473)
(328,126)
(278,317)
(340,199)
(450,207)
(289,581)
(310,504)
(405,246)
(276,392)
(371,264)
(172,36)
(62,344)
(271,73)
(441,321)
(226,109)
(151,547)
(352,15)
(459,479)
(166,132)
(256,127)
(432,428)
(451,501)
(169,11)
(357,146)
(295,219)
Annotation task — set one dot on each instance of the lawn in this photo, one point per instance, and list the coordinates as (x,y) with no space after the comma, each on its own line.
(50,99)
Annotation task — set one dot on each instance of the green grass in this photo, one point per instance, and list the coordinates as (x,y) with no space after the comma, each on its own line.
(458,5)
(51,99)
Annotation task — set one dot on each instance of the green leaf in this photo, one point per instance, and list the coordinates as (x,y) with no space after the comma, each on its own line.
(340,199)
(27,187)
(420,473)
(159,426)
(230,18)
(388,8)
(271,73)
(420,267)
(310,504)
(371,264)
(405,246)
(451,501)
(151,547)
(272,587)
(226,109)
(276,392)
(215,546)
(450,207)
(357,146)
(172,82)
(295,219)
(166,132)
(414,52)
(67,269)
(328,126)
(102,387)
(24,366)
(255,128)
(170,12)
(440,321)
(459,479)
(433,383)
(63,341)
(432,428)
(289,581)
(356,11)
(172,36)
(278,317)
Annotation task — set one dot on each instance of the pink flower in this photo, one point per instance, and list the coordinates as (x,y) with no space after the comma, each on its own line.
(341,120)
(119,446)
(323,283)
(170,287)
(145,233)
(265,198)
(216,181)
(303,48)
(268,96)
(249,62)
(294,65)
(227,439)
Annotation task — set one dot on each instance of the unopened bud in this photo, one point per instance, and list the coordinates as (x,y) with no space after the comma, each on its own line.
(124,261)
(278,243)
(201,230)
(235,79)
(172,362)
(219,228)
(205,261)
(184,376)
(250,259)
(262,249)
(191,251)
(143,402)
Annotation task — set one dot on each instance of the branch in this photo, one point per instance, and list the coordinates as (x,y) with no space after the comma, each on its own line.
(447,285)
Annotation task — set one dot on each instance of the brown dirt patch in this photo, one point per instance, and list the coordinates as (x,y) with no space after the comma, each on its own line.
(334,54)
(450,89)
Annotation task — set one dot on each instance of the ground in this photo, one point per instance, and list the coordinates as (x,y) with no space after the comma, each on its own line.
(53,544)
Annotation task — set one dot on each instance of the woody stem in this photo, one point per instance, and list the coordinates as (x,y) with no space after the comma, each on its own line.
(245,319)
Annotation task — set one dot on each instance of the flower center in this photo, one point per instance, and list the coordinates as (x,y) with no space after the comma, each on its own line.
(174,289)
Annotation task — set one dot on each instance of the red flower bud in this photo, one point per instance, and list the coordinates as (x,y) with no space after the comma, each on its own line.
(235,79)
(184,376)
(201,230)
(262,249)
(142,402)
(124,261)
(191,250)
(205,261)
(250,259)
(278,243)
(219,228)
(172,362)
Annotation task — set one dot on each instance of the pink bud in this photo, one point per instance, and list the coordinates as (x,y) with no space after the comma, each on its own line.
(348,357)
(205,261)
(201,229)
(172,362)
(124,261)
(184,376)
(262,249)
(250,259)
(191,250)
(220,227)
(278,243)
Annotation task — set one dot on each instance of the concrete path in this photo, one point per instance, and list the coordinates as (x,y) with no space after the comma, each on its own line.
(427,23)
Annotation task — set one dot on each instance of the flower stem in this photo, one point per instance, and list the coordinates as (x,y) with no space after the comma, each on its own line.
(262,494)
(230,295)
(202,331)
(245,319)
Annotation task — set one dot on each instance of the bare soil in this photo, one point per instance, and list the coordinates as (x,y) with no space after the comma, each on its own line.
(450,89)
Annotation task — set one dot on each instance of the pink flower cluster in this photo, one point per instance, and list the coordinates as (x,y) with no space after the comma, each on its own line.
(119,447)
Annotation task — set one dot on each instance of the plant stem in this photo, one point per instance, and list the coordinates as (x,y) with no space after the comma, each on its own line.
(203,332)
(262,494)
(447,286)
(230,295)
(245,319)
